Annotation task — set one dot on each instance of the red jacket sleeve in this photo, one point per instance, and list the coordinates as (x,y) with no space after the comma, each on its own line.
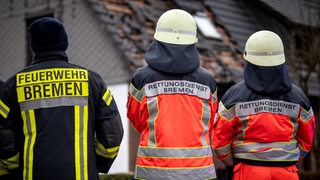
(224,133)
(133,107)
(305,133)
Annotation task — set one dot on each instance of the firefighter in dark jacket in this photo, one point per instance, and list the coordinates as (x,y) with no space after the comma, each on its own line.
(265,124)
(8,166)
(65,120)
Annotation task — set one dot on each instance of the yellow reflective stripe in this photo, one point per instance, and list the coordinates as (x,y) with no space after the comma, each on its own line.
(3,113)
(3,171)
(4,106)
(4,109)
(77,141)
(25,131)
(80,141)
(12,162)
(85,141)
(29,130)
(106,152)
(107,97)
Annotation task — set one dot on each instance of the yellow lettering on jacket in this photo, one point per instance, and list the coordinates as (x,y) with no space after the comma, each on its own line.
(52,83)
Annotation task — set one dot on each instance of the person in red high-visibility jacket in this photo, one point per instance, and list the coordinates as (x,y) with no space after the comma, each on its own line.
(265,123)
(172,103)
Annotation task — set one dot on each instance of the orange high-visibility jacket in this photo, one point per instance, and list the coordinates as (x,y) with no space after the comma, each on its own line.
(264,125)
(174,114)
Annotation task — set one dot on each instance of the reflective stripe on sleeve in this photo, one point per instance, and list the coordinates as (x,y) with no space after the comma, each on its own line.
(11,163)
(7,164)
(306,115)
(303,152)
(3,170)
(228,160)
(227,114)
(107,97)
(138,95)
(106,152)
(214,96)
(4,109)
(224,150)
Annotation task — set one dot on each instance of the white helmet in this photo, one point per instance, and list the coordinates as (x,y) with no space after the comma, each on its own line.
(176,26)
(264,48)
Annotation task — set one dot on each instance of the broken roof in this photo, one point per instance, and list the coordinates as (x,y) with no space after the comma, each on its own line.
(304,12)
(131,24)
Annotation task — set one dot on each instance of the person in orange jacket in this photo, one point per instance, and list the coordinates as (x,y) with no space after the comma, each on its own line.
(265,123)
(172,103)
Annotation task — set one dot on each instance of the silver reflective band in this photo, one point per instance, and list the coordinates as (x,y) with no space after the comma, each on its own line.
(153,108)
(145,172)
(267,151)
(54,102)
(273,53)
(228,114)
(287,146)
(223,150)
(306,115)
(177,31)
(270,155)
(175,152)
(137,94)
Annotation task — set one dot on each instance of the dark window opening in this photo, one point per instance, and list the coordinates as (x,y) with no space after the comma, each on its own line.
(298,42)
(29,51)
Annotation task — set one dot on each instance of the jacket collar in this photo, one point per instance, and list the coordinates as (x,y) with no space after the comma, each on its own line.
(170,58)
(50,55)
(271,81)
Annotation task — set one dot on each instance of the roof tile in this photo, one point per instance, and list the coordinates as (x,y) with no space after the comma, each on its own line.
(132,24)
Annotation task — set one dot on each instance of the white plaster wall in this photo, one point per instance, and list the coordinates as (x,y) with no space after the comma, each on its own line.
(121,164)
